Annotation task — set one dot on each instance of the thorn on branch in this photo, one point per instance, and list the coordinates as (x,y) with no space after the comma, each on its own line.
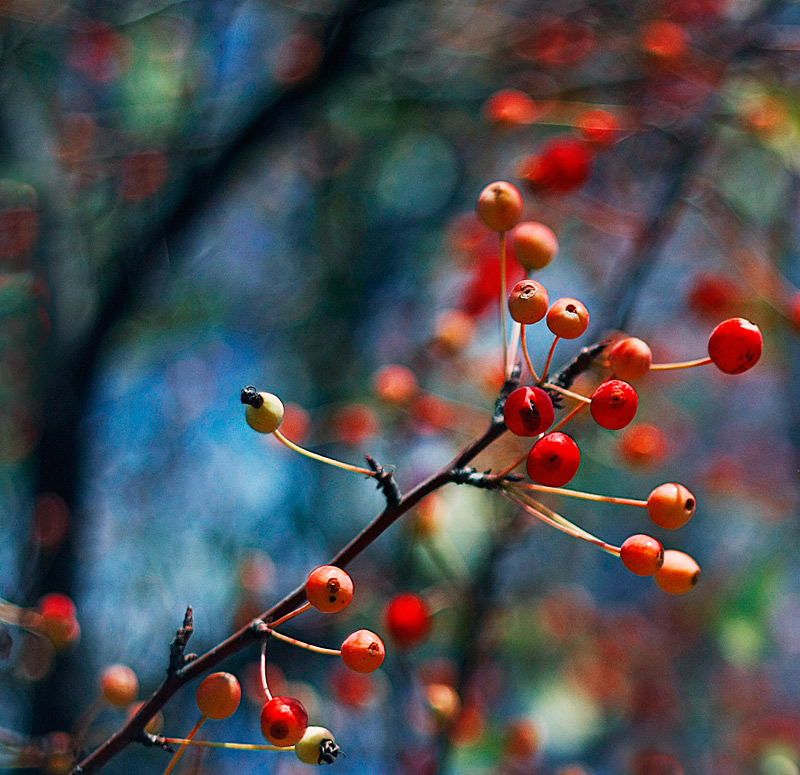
(384,475)
(177,649)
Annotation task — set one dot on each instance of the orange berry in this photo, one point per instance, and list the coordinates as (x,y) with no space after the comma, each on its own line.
(329,589)
(630,358)
(454,331)
(499,206)
(642,445)
(528,302)
(535,245)
(678,574)
(218,695)
(152,727)
(642,555)
(670,505)
(510,107)
(119,685)
(664,41)
(354,423)
(395,385)
(598,127)
(363,651)
(568,318)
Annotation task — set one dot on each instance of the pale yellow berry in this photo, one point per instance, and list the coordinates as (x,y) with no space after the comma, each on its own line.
(266,418)
(312,747)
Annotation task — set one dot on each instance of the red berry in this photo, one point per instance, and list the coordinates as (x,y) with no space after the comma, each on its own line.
(598,127)
(614,404)
(284,721)
(499,206)
(554,460)
(510,107)
(642,445)
(60,622)
(407,619)
(363,651)
(564,164)
(670,505)
(528,302)
(329,589)
(568,318)
(119,685)
(218,695)
(678,574)
(642,555)
(664,41)
(535,245)
(735,345)
(528,411)
(630,358)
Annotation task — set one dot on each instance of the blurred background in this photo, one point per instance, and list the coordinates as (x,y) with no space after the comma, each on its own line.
(199,195)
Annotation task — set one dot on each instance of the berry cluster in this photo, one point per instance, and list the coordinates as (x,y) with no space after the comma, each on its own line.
(734,347)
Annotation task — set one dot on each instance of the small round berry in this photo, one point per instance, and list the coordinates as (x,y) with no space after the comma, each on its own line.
(642,555)
(317,746)
(564,164)
(363,651)
(284,721)
(614,404)
(553,460)
(60,622)
(528,302)
(510,108)
(642,445)
(218,695)
(119,685)
(263,411)
(678,574)
(528,411)
(407,619)
(670,505)
(630,358)
(568,318)
(521,739)
(499,206)
(395,385)
(598,127)
(535,245)
(664,41)
(735,345)
(453,332)
(329,589)
(443,702)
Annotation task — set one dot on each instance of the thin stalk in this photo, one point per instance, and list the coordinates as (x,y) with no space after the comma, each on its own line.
(549,359)
(290,615)
(587,496)
(567,417)
(504,332)
(679,364)
(264,684)
(525,355)
(321,458)
(302,644)
(174,760)
(567,393)
(231,746)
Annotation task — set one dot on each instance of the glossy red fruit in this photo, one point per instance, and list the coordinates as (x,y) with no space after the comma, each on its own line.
(284,721)
(363,651)
(528,411)
(642,555)
(614,404)
(528,302)
(554,460)
(499,206)
(218,695)
(407,619)
(568,318)
(630,358)
(329,589)
(735,345)
(678,574)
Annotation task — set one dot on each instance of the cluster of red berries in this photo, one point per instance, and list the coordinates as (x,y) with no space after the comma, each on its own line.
(734,346)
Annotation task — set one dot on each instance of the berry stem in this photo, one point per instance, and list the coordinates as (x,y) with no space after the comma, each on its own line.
(264,684)
(321,458)
(567,393)
(524,346)
(679,364)
(511,360)
(587,496)
(504,332)
(24,618)
(230,746)
(549,359)
(519,461)
(301,644)
(567,417)
(290,615)
(174,760)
